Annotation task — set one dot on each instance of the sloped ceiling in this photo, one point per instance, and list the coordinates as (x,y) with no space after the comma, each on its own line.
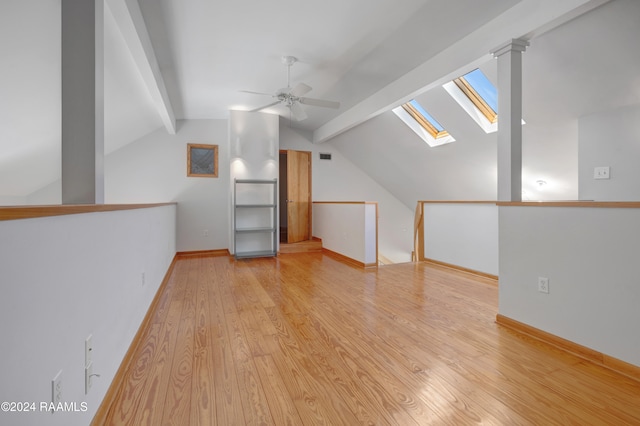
(579,68)
(347,50)
(30,112)
(29,95)
(207,51)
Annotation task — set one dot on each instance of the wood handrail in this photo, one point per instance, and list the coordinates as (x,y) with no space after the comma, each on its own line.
(458,201)
(344,202)
(32,212)
(559,203)
(599,204)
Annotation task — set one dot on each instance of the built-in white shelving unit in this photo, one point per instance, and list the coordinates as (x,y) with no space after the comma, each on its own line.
(255,217)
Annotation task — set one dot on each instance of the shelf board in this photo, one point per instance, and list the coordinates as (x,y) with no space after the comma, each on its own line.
(247,230)
(254,206)
(262,253)
(257,228)
(262,181)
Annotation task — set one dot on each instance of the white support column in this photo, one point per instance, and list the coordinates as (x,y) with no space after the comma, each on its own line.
(82,101)
(510,119)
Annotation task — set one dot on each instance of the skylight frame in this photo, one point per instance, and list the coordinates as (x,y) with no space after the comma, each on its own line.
(473,103)
(477,100)
(422,126)
(429,123)
(469,99)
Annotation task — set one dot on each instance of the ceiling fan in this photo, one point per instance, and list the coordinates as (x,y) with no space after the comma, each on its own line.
(292,98)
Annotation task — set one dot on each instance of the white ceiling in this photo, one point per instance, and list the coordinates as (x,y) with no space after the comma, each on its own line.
(365,54)
(209,51)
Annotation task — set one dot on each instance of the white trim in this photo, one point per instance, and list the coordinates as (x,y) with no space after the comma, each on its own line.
(517,45)
(419,130)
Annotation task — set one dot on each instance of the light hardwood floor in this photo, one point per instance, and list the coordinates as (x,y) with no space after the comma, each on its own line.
(304,339)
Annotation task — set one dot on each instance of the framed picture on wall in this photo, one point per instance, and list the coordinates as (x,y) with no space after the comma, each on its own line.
(202,160)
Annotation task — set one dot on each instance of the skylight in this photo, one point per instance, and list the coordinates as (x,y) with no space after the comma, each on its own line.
(481,92)
(425,119)
(423,123)
(478,97)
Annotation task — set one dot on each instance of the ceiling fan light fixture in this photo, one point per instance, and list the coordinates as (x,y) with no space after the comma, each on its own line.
(289,60)
(292,97)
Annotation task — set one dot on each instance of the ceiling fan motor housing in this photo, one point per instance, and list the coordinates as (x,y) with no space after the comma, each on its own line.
(293,97)
(289,60)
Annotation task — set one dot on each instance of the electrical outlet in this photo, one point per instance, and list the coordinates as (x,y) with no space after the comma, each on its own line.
(143,278)
(56,388)
(205,233)
(88,350)
(543,285)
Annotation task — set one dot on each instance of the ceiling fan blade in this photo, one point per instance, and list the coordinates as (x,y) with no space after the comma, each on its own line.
(298,112)
(300,89)
(265,106)
(320,103)
(256,93)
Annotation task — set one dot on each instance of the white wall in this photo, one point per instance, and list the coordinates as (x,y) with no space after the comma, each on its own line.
(50,194)
(590,257)
(347,229)
(154,169)
(397,159)
(370,234)
(339,179)
(463,235)
(254,140)
(66,277)
(610,138)
(7,200)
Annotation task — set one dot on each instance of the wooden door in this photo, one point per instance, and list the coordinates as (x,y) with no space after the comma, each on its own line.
(298,196)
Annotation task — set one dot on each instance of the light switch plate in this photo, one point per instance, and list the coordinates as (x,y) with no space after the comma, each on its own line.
(601,172)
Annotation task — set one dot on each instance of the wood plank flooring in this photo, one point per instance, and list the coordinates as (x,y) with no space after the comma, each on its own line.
(304,339)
